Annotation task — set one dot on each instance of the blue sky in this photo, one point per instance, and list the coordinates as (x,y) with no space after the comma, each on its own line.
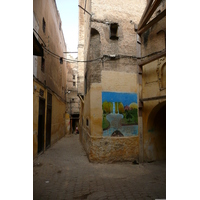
(68,10)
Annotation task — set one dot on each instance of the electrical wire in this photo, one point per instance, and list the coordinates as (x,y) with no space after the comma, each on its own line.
(39,37)
(86,61)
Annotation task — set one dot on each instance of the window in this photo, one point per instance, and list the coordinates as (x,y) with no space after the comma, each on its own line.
(43,64)
(74,83)
(87,122)
(44,25)
(61,60)
(73,76)
(113,31)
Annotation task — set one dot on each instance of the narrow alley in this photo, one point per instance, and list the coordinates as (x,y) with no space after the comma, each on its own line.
(64,172)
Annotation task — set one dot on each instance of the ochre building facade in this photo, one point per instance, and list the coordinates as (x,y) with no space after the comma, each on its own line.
(122,81)
(49,76)
(153,84)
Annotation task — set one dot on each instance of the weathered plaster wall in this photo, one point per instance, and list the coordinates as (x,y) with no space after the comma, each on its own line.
(154,78)
(35,58)
(53,79)
(58,116)
(84,36)
(107,149)
(154,85)
(154,124)
(116,75)
(154,39)
(55,73)
(58,119)
(35,115)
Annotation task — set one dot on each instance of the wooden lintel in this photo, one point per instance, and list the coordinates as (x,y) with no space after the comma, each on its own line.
(149,13)
(152,22)
(145,11)
(153,98)
(152,58)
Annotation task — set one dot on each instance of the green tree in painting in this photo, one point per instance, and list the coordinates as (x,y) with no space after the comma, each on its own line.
(116,111)
(106,106)
(121,108)
(110,107)
(105,123)
(128,116)
(134,113)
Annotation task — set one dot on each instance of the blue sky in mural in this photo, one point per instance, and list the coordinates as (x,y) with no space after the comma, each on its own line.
(125,98)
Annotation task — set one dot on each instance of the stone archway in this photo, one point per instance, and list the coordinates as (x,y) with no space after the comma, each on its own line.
(156,141)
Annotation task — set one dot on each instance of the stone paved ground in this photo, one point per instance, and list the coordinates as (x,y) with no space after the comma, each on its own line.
(64,172)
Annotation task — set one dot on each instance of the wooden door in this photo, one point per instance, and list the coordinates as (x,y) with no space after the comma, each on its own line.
(48,122)
(41,120)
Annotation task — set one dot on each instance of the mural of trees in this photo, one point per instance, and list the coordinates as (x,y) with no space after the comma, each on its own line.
(105,123)
(130,116)
(120,114)
(107,107)
(121,108)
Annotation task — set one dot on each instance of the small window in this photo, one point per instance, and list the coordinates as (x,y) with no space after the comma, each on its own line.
(74,83)
(43,64)
(87,122)
(113,31)
(44,25)
(60,26)
(61,60)
(73,76)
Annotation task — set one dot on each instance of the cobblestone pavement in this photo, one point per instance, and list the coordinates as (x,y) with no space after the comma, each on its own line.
(64,172)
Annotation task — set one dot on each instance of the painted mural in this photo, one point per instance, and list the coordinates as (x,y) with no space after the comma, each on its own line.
(120,114)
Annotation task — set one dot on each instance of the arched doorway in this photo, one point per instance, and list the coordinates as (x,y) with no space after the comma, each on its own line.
(155,140)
